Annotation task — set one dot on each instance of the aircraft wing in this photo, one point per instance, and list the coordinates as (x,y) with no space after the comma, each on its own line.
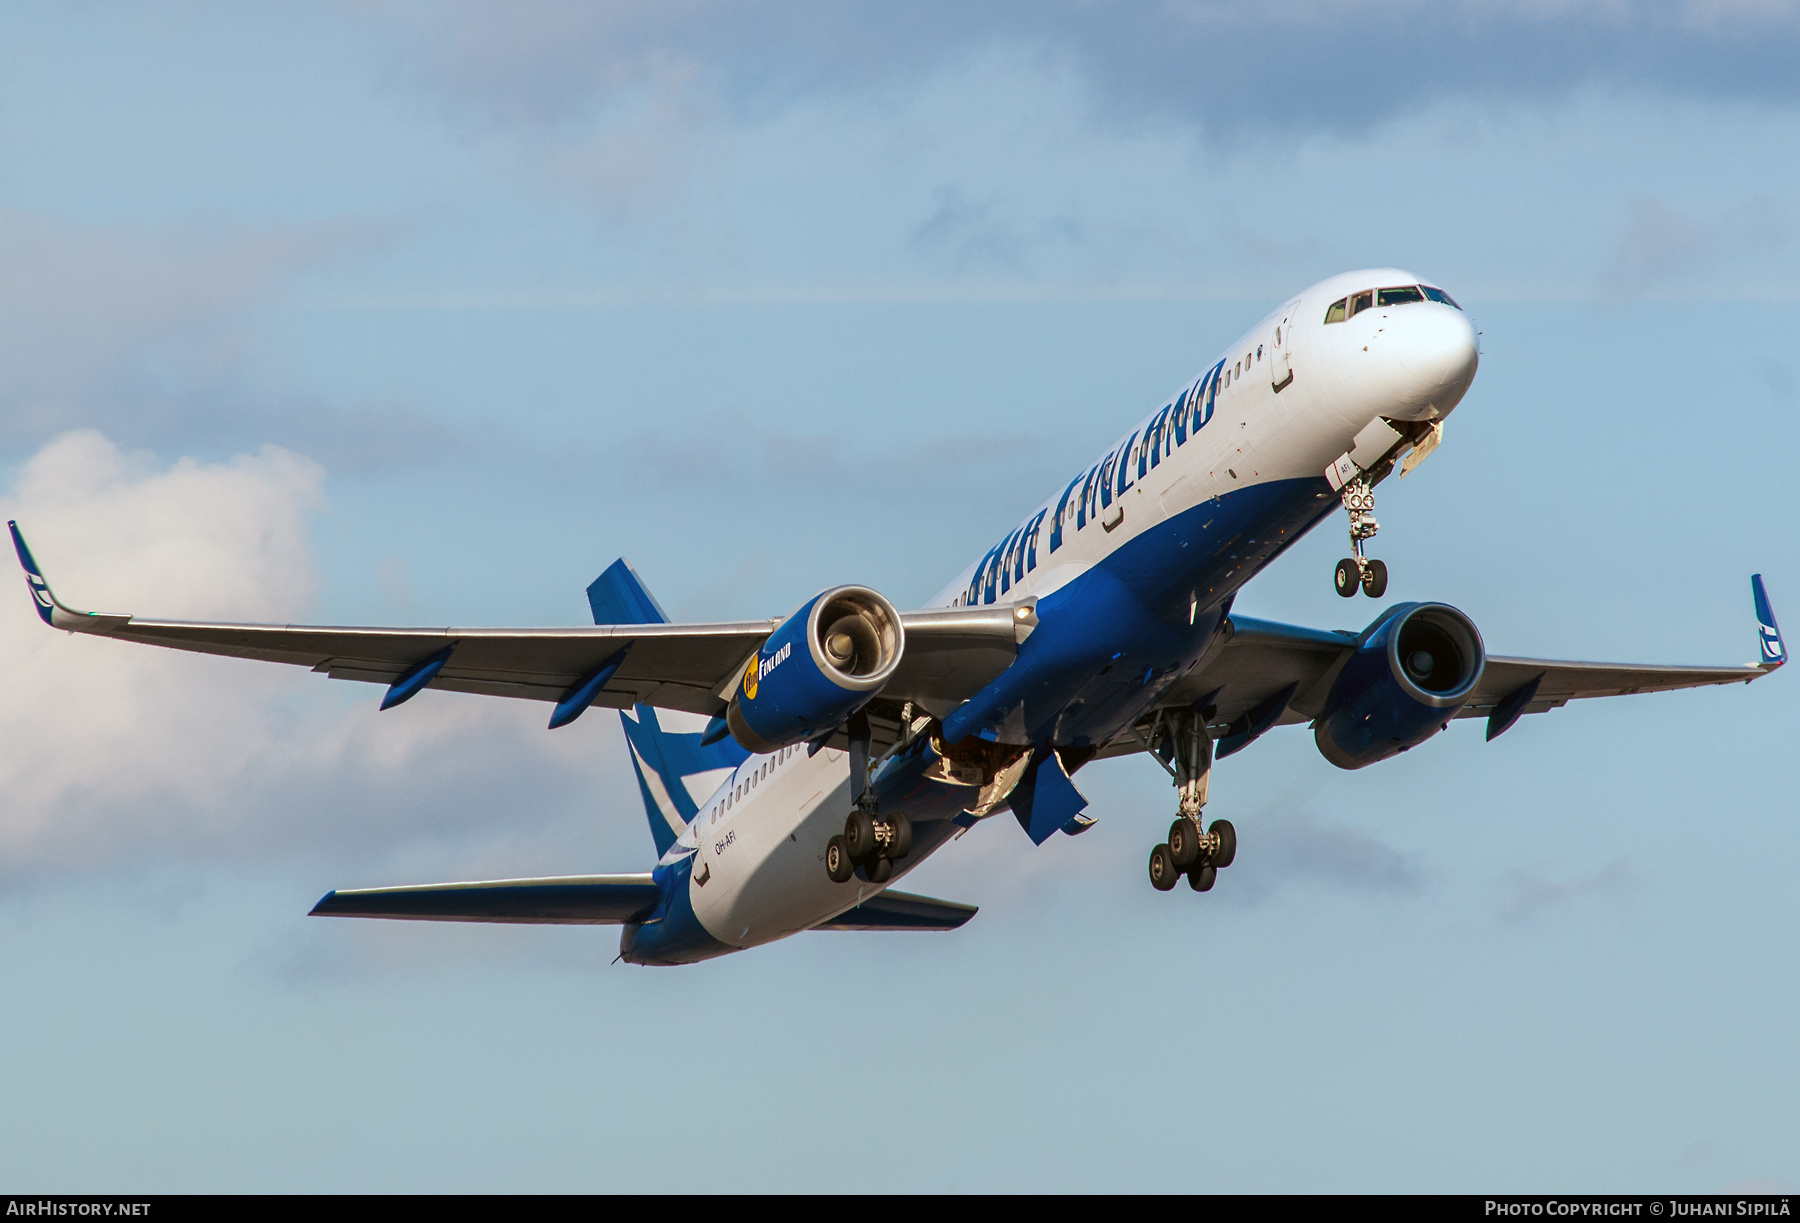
(950,654)
(1558,683)
(1267,674)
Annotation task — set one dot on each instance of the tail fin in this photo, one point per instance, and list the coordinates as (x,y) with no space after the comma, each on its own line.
(618,596)
(675,773)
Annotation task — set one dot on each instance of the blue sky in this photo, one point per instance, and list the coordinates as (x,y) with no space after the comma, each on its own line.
(405,313)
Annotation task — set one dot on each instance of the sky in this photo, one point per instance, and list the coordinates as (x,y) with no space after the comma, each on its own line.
(399,313)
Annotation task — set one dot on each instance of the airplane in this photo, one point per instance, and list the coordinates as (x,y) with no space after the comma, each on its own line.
(792,768)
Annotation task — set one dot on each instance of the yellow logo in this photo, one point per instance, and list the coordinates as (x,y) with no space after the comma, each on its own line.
(752,674)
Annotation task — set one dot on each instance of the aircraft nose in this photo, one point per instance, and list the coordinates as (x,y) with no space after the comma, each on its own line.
(1437,347)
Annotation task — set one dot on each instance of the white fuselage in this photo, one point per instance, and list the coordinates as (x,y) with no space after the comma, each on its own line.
(756,849)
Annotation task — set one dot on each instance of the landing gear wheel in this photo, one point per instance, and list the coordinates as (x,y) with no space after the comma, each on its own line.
(1374,579)
(1184,842)
(900,843)
(1222,856)
(859,837)
(837,861)
(1201,878)
(1164,874)
(1348,577)
(880,870)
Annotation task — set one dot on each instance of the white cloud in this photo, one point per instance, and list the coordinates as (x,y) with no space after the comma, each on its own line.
(113,747)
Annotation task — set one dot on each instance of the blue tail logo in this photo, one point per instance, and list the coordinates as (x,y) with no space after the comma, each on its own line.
(675,771)
(1767,631)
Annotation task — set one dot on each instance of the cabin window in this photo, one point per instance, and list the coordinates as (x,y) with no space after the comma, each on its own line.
(1259,352)
(1438,295)
(1399,296)
(1361,301)
(1335,312)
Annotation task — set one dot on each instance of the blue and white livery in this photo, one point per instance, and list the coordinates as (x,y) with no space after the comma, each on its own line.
(793,768)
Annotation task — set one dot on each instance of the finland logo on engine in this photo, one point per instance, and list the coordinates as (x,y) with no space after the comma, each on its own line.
(760,667)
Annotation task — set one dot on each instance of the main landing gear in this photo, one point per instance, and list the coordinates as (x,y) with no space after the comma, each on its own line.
(1198,855)
(871,844)
(868,843)
(1359,570)
(1191,850)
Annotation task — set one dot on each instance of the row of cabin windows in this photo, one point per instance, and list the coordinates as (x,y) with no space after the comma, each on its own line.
(1159,440)
(1401,295)
(749,783)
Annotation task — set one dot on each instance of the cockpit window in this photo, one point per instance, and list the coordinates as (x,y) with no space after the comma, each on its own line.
(1399,296)
(1438,295)
(1336,313)
(1362,301)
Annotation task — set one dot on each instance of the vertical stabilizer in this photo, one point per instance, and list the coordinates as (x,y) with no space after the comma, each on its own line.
(675,772)
(618,596)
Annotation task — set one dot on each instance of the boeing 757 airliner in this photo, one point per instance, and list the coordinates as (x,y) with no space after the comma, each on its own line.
(792,768)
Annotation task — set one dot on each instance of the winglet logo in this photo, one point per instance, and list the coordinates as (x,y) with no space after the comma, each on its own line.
(1772,650)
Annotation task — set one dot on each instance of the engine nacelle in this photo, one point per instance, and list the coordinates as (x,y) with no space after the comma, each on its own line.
(822,665)
(1414,673)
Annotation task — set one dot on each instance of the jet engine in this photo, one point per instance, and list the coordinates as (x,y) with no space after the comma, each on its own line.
(1415,672)
(822,665)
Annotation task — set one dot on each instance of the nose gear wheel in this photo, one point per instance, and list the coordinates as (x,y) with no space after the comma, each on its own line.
(1358,570)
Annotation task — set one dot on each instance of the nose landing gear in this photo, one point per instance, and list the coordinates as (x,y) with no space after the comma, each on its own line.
(1359,570)
(1198,854)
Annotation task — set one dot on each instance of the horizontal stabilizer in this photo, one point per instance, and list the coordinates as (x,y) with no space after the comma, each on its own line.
(901,911)
(565,900)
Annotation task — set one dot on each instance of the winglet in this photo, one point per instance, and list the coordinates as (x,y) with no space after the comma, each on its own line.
(1767,631)
(41,598)
(49,610)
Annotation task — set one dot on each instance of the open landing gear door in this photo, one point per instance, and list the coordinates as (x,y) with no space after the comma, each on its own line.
(1045,800)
